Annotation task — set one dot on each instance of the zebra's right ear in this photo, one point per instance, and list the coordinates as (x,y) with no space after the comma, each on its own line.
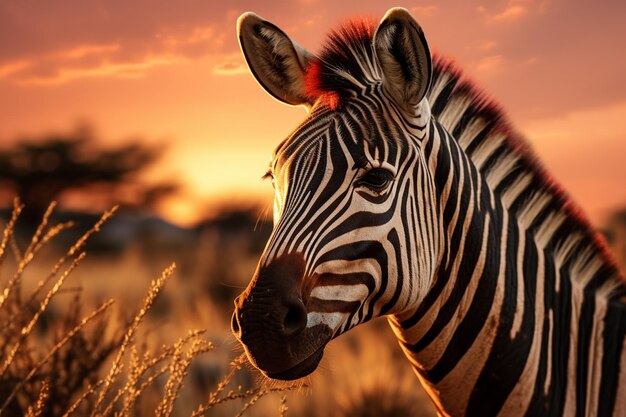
(278,63)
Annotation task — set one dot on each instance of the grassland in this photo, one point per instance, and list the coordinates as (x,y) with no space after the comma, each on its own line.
(130,334)
(92,332)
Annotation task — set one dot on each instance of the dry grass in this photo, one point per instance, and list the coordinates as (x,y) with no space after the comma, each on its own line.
(115,343)
(92,364)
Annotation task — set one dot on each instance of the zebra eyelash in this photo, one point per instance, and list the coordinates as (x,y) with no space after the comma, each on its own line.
(268,175)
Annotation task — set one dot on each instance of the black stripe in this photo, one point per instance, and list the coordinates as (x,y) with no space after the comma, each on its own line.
(508,357)
(476,316)
(613,335)
(393,238)
(443,276)
(560,302)
(469,258)
(365,249)
(585,330)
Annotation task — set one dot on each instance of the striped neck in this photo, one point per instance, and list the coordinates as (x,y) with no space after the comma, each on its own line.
(445,337)
(510,322)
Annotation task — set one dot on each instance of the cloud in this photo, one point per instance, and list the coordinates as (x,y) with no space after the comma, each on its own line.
(86,50)
(488,45)
(129,60)
(490,64)
(602,123)
(230,66)
(75,39)
(511,13)
(30,29)
(591,138)
(196,35)
(136,69)
(12,67)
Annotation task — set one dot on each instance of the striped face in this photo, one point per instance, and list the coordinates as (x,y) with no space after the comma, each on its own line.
(349,184)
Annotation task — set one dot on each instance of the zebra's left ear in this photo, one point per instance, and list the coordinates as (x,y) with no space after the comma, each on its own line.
(404,56)
(278,63)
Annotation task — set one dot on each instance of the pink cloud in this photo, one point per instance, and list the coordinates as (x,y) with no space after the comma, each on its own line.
(12,67)
(86,50)
(129,60)
(488,45)
(490,64)
(513,12)
(231,65)
(135,69)
(566,143)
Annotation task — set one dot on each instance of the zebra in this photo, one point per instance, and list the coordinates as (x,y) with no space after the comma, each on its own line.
(406,193)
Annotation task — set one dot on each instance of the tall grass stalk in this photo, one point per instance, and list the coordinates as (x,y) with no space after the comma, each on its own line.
(70,376)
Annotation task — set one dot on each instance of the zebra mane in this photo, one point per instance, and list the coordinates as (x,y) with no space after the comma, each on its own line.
(347,63)
(514,173)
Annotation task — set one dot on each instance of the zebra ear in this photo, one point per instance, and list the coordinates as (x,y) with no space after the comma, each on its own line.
(404,56)
(278,63)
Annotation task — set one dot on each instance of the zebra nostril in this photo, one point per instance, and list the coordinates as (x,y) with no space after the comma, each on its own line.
(295,318)
(234,324)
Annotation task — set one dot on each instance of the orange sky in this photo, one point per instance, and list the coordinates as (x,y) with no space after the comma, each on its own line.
(171,71)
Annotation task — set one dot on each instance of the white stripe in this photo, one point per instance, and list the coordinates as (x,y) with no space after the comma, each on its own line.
(345,293)
(332,320)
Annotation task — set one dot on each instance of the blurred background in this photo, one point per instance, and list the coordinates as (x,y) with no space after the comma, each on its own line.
(149,105)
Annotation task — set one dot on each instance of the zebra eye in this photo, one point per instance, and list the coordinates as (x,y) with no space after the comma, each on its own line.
(376,179)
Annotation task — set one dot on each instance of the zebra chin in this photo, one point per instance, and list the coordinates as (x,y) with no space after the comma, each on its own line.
(300,370)
(289,359)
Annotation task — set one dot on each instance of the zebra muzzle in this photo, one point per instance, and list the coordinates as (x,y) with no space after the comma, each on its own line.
(270,320)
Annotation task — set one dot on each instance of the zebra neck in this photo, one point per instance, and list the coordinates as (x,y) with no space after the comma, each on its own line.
(450,332)
(505,327)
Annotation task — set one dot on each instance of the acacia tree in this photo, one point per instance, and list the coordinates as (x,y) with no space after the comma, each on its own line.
(49,167)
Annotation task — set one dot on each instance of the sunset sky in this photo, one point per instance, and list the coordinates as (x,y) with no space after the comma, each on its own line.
(172,72)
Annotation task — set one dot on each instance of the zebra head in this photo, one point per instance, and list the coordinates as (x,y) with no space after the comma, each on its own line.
(347,182)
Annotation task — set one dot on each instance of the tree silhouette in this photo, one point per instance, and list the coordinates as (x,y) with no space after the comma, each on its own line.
(52,166)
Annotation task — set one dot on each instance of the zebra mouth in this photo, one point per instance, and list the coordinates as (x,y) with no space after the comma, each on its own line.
(301,369)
